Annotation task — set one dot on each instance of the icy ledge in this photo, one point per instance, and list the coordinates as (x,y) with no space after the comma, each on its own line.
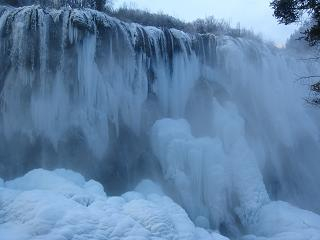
(62,205)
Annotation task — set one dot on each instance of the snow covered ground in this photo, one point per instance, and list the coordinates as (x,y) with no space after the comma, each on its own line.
(281,221)
(61,205)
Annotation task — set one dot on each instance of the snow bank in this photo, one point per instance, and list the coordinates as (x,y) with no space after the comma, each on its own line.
(62,205)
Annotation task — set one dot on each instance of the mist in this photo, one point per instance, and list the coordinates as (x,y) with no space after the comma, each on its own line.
(217,124)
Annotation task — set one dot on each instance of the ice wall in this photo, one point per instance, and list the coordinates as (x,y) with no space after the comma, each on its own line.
(78,77)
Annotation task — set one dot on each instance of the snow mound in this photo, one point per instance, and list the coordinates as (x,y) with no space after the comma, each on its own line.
(47,205)
(282,221)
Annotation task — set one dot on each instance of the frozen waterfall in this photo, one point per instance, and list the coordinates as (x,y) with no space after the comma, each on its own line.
(219,122)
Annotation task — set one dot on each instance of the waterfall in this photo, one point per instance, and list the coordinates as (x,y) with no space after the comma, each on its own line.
(219,121)
(81,75)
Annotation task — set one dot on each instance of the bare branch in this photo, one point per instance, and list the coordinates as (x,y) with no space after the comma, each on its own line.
(314,102)
(309,59)
(309,77)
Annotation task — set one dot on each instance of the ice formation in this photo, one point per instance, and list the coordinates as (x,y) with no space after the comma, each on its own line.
(217,121)
(62,205)
(210,176)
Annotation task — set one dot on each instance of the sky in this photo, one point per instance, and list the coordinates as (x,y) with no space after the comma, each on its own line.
(254,15)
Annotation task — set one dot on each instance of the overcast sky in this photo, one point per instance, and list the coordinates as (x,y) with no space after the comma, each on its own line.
(251,14)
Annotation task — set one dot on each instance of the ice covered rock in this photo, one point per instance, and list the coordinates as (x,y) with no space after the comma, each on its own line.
(70,175)
(65,182)
(45,205)
(148,187)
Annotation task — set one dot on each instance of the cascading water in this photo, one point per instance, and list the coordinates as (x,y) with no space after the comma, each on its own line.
(218,121)
(85,78)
